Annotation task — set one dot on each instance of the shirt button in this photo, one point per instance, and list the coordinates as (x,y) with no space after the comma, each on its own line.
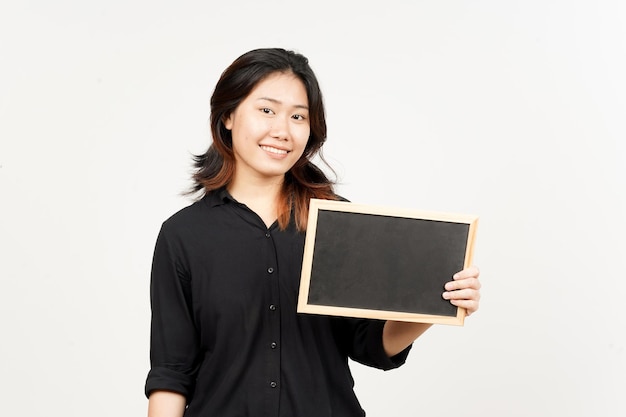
(270,270)
(274,345)
(273,384)
(272,307)
(267,235)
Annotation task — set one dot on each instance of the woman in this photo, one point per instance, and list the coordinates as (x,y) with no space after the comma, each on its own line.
(226,339)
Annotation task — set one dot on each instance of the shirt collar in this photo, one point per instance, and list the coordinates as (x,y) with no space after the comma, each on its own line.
(218,197)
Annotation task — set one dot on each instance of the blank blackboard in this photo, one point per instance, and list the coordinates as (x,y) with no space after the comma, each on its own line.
(384,263)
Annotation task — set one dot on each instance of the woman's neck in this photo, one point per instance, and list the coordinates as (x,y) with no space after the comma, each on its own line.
(260,196)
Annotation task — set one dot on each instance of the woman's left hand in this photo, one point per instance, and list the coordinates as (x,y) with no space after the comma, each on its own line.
(464,291)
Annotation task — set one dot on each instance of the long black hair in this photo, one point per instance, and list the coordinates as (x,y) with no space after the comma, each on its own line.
(216,167)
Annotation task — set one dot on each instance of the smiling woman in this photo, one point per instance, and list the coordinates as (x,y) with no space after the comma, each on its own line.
(262,80)
(226,339)
(269,130)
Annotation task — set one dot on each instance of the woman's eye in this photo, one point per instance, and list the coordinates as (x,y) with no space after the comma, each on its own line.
(298,117)
(266,110)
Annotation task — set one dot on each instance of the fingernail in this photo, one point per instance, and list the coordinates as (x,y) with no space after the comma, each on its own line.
(446,295)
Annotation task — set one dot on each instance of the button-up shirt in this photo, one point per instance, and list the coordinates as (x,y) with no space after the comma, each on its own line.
(225,332)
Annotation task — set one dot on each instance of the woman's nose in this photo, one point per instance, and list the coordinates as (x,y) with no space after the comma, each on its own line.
(280,128)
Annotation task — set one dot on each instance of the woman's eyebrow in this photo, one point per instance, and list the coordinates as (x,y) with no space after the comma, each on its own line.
(273,100)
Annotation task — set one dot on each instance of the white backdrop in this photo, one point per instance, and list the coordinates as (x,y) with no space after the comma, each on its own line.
(512,110)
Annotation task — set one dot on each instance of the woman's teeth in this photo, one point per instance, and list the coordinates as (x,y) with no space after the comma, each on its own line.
(274,150)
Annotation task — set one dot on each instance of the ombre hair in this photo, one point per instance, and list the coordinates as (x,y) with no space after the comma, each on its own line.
(216,167)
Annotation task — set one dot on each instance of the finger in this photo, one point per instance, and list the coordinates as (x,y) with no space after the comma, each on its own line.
(469,272)
(470,306)
(466,294)
(462,284)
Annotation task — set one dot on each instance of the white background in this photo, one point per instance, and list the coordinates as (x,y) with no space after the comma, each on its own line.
(511,110)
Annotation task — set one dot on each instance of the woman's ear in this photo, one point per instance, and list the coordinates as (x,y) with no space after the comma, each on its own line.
(228,121)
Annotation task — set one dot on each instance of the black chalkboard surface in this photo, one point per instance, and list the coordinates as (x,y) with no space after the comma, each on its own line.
(384,263)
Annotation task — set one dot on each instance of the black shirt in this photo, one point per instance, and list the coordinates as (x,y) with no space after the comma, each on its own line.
(225,332)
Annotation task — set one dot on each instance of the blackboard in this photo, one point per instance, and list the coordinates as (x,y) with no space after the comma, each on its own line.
(384,263)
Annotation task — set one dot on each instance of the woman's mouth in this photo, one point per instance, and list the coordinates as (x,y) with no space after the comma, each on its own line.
(273,150)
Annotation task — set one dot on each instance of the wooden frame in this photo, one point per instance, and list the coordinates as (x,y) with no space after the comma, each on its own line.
(362,261)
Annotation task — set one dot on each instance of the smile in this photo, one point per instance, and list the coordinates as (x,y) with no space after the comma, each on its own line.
(274,150)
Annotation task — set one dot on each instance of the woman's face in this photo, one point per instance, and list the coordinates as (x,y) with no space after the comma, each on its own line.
(270,128)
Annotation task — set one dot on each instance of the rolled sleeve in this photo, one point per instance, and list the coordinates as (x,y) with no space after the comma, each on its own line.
(165,379)
(363,341)
(377,351)
(173,338)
